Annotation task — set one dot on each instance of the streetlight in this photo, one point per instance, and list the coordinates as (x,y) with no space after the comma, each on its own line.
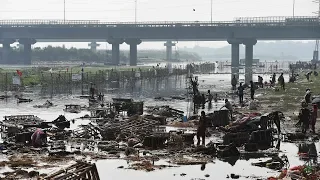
(211,11)
(64,11)
(135,11)
(293,6)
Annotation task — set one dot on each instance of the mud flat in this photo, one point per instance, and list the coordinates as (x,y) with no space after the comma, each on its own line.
(144,146)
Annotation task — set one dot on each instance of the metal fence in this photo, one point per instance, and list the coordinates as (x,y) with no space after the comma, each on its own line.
(241,21)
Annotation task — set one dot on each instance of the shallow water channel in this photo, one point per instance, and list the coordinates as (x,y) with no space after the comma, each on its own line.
(108,168)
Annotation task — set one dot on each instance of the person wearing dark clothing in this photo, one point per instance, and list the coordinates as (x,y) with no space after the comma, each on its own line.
(304,117)
(273,80)
(260,80)
(215,97)
(308,76)
(201,131)
(229,107)
(203,100)
(234,82)
(240,93)
(281,81)
(252,90)
(307,97)
(314,117)
(100,97)
(276,117)
(92,91)
(210,97)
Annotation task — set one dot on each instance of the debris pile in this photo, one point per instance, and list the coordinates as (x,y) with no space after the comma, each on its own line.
(79,169)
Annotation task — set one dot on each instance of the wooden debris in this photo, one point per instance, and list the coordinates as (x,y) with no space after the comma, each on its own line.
(79,171)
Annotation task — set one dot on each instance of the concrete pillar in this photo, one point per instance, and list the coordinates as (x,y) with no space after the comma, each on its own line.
(27,50)
(6,50)
(115,50)
(235,58)
(93,46)
(133,50)
(169,46)
(249,43)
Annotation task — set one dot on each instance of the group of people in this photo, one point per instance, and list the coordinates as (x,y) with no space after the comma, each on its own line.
(308,117)
(241,88)
(253,86)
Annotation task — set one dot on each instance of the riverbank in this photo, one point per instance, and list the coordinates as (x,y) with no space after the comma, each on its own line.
(287,101)
(64,79)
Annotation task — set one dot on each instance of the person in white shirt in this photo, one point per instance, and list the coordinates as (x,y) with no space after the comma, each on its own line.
(228,106)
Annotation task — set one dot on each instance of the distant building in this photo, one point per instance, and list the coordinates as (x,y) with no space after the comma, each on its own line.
(254,62)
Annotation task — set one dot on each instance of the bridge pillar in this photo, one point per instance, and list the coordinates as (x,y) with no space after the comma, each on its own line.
(133,50)
(115,50)
(6,50)
(93,46)
(235,57)
(169,46)
(27,50)
(249,43)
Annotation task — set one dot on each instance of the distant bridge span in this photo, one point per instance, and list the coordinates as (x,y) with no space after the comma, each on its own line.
(240,31)
(269,28)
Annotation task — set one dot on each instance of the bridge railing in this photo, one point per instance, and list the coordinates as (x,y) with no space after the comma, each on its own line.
(49,21)
(274,18)
(242,21)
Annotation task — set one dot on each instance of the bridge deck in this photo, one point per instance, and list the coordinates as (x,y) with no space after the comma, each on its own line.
(267,28)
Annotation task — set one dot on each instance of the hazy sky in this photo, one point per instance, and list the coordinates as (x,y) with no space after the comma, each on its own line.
(152,10)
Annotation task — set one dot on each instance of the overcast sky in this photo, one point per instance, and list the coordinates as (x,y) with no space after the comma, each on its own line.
(152,10)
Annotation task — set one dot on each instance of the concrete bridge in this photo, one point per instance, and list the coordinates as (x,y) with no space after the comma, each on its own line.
(240,31)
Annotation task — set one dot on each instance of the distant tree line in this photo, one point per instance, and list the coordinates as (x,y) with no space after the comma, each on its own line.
(58,54)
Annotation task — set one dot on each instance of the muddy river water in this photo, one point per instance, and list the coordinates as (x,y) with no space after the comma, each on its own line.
(108,168)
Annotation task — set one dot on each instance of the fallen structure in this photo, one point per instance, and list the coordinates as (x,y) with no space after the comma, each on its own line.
(79,171)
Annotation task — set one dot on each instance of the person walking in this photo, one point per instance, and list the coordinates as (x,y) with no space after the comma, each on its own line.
(281,81)
(201,130)
(260,80)
(304,117)
(273,80)
(234,82)
(252,90)
(240,93)
(314,117)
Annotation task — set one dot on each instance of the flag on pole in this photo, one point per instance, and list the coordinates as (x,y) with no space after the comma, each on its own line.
(19,73)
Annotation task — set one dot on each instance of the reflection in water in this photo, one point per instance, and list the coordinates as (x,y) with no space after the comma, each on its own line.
(203,167)
(209,106)
(278,144)
(231,160)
